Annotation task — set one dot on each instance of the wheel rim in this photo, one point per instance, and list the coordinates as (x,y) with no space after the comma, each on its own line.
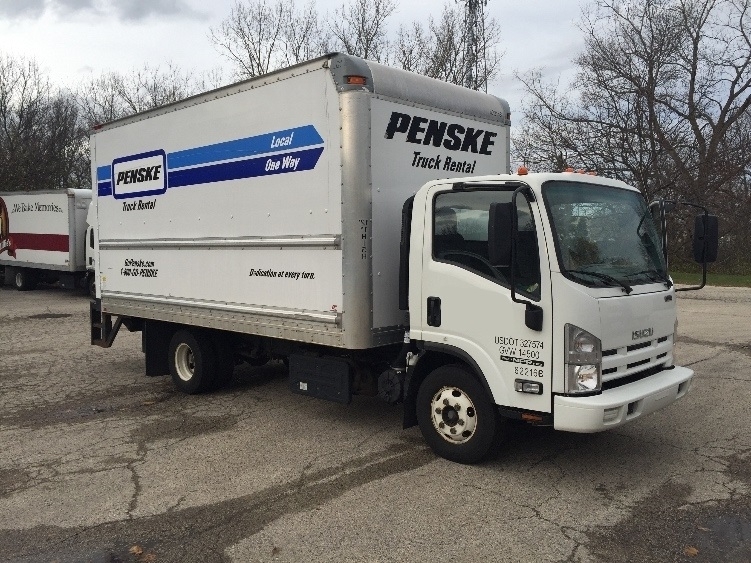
(185,363)
(19,279)
(454,415)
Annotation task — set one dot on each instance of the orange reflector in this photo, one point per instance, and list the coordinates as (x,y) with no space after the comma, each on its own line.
(569,170)
(357,80)
(522,171)
(531,417)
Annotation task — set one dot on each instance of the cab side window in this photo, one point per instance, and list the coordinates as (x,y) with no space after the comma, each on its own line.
(460,237)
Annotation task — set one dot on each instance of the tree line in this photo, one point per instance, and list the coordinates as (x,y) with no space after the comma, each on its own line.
(661,97)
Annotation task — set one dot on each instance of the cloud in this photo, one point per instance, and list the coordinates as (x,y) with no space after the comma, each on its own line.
(14,9)
(136,10)
(129,10)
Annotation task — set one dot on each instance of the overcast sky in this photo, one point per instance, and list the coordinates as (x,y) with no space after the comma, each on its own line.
(70,39)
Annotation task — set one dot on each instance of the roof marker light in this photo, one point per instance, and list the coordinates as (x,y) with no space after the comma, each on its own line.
(523,171)
(356,80)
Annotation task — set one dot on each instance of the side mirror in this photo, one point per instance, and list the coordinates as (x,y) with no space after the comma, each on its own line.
(499,233)
(705,238)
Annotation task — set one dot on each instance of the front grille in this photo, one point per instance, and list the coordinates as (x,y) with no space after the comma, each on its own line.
(631,360)
(639,346)
(649,372)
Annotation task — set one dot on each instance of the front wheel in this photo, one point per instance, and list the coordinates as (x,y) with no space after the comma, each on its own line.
(457,418)
(192,361)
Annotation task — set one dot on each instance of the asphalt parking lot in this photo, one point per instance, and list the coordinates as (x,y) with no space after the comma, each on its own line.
(100,463)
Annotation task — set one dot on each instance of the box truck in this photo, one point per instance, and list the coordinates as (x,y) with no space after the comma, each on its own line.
(360,223)
(45,237)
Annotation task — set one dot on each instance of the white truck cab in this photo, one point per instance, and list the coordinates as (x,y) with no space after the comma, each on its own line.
(578,333)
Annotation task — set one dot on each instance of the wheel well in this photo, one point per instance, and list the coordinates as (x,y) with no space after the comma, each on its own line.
(430,360)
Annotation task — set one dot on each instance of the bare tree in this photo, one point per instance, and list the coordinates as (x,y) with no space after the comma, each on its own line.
(661,100)
(40,133)
(440,51)
(114,95)
(304,36)
(258,37)
(359,28)
(411,48)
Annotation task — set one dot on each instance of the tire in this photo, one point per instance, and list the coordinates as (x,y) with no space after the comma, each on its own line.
(24,280)
(464,435)
(192,361)
(225,361)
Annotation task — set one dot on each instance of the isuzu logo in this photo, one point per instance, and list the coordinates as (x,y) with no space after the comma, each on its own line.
(643,333)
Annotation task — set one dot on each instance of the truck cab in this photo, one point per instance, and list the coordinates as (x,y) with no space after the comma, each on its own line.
(540,297)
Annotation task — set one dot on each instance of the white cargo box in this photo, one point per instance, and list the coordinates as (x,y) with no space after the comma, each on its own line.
(44,230)
(273,206)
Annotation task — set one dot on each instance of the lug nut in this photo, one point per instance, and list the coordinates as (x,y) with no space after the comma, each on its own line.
(446,402)
(441,425)
(457,407)
(453,430)
(438,411)
(461,422)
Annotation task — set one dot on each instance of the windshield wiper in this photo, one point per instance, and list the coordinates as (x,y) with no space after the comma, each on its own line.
(650,273)
(604,277)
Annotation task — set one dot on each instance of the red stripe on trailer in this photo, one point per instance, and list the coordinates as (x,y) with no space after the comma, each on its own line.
(35,241)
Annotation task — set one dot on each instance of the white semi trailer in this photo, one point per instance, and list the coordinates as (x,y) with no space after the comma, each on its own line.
(319,215)
(44,238)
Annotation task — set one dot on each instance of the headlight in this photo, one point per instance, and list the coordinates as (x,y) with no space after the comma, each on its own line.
(583,361)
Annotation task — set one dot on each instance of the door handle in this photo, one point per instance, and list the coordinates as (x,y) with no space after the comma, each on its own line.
(434,311)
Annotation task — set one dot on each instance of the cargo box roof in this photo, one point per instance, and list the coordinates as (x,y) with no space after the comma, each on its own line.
(382,80)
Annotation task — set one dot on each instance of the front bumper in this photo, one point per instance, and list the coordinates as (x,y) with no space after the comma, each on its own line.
(618,406)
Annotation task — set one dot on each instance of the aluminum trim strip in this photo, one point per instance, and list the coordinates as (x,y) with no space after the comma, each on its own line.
(323,241)
(325,317)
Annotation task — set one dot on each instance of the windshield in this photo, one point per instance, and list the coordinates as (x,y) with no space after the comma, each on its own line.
(604,236)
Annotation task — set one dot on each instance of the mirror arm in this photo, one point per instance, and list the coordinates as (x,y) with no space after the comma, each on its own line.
(533,313)
(704,263)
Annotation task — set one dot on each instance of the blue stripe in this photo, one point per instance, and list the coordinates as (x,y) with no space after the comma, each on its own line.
(104,188)
(238,170)
(104,173)
(301,137)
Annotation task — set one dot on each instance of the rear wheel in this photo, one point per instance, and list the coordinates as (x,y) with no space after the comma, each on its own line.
(24,280)
(225,360)
(456,416)
(192,361)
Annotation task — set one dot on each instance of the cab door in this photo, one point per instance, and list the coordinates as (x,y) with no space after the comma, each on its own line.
(466,306)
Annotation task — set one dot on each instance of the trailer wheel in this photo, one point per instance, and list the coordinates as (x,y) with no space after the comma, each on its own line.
(192,361)
(457,418)
(24,280)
